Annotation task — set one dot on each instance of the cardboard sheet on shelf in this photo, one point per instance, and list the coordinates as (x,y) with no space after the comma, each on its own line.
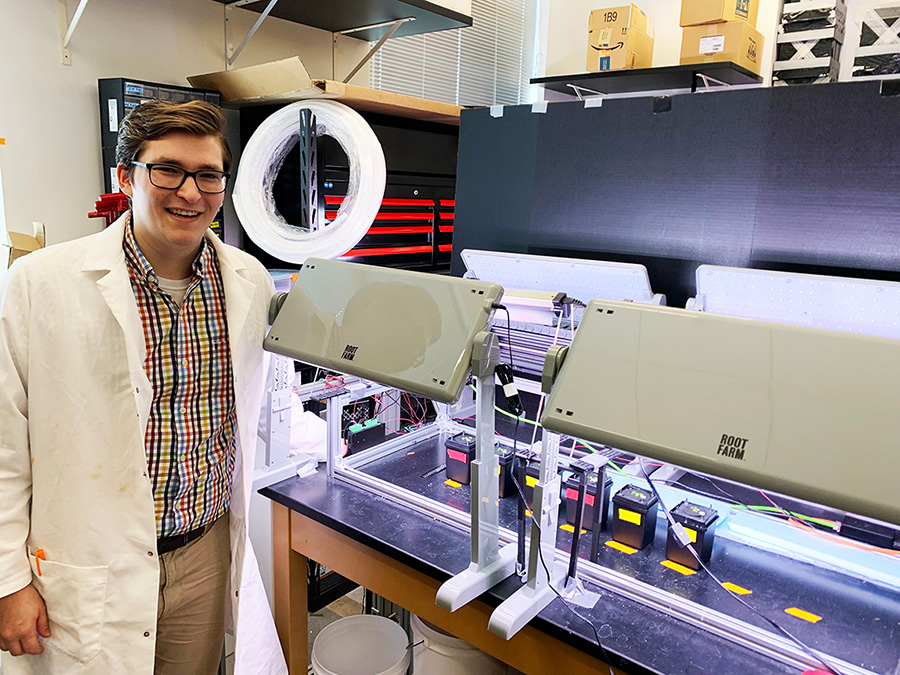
(21,244)
(287,80)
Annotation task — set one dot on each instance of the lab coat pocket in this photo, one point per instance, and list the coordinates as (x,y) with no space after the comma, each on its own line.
(75,598)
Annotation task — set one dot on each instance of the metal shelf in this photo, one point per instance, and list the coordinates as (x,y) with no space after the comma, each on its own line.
(667,78)
(338,16)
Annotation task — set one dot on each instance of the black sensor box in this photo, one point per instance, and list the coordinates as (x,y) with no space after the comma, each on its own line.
(634,516)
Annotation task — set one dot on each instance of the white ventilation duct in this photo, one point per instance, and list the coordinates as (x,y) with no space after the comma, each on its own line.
(262,158)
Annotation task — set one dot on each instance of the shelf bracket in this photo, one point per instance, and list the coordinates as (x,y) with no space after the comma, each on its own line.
(395,25)
(706,80)
(578,91)
(231,53)
(66,29)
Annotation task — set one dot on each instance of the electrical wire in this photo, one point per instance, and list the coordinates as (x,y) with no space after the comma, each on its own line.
(835,538)
(675,526)
(830,524)
(809,650)
(534,522)
(398,419)
(508,414)
(508,336)
(544,395)
(768,510)
(565,602)
(377,397)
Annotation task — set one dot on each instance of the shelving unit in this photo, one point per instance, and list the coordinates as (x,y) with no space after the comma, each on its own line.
(376,16)
(668,78)
(362,19)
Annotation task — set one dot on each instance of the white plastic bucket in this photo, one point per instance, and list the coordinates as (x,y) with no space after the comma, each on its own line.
(443,654)
(361,645)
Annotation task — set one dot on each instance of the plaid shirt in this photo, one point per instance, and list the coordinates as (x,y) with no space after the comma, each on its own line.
(190,434)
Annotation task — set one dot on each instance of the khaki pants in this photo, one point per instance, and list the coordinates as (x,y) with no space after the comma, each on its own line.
(190,626)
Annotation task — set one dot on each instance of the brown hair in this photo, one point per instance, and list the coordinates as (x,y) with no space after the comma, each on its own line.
(152,120)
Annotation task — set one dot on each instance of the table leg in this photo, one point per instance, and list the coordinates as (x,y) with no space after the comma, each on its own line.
(290,588)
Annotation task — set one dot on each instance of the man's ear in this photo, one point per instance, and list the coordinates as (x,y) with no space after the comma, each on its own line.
(125,184)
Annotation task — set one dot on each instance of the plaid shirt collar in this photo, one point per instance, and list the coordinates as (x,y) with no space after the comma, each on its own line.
(144,270)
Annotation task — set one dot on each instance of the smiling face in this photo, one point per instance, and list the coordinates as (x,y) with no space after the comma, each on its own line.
(169,224)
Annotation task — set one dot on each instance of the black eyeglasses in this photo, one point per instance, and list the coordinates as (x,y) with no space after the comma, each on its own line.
(170,177)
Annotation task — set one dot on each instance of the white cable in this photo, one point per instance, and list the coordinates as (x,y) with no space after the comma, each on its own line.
(262,158)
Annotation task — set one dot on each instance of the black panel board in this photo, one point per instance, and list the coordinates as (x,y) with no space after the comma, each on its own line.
(800,179)
(493,193)
(830,195)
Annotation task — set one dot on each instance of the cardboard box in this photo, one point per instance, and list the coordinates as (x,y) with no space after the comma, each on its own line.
(617,20)
(287,80)
(21,244)
(633,50)
(735,41)
(619,38)
(699,12)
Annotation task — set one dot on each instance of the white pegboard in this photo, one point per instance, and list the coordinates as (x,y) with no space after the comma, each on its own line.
(835,303)
(583,280)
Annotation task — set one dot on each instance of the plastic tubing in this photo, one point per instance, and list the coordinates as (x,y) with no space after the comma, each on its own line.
(262,159)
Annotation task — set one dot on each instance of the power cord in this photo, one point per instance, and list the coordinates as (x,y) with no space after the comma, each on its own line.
(534,522)
(678,530)
(684,540)
(565,602)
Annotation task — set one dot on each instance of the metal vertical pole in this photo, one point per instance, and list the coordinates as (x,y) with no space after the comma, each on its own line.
(333,408)
(485,487)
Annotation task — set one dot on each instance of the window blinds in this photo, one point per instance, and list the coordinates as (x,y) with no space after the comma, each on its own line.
(487,63)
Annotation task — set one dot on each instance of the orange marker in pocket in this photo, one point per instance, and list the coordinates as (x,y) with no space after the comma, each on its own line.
(38,556)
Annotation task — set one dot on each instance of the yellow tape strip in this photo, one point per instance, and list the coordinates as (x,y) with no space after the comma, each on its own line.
(569,528)
(619,546)
(803,614)
(452,483)
(681,569)
(734,588)
(530,481)
(630,516)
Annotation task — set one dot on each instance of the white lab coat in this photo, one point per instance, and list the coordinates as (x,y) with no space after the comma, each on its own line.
(74,403)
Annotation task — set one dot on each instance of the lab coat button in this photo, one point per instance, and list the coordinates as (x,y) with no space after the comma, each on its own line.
(146,633)
(150,553)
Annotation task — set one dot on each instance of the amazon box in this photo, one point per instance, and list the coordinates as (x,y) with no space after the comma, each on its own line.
(619,38)
(699,12)
(735,41)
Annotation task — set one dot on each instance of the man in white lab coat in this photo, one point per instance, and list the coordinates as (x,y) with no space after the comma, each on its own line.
(132,372)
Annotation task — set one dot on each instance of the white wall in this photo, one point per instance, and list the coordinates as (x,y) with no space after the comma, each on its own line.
(567,21)
(49,113)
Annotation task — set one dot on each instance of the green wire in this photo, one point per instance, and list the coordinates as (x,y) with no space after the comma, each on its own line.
(509,414)
(772,509)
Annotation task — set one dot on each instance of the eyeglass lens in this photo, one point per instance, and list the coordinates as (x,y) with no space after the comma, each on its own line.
(171,177)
